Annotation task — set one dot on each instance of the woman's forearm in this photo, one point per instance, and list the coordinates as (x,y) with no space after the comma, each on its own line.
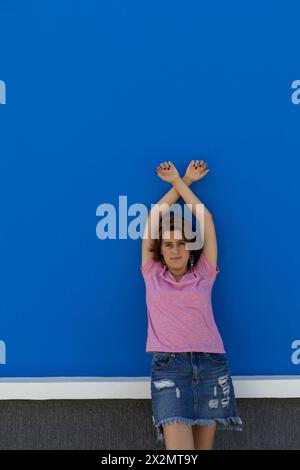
(161,207)
(208,223)
(173,195)
(188,196)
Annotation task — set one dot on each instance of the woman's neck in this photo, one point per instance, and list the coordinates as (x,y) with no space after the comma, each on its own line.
(178,274)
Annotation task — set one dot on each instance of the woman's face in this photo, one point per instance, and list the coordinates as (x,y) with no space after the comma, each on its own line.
(174,252)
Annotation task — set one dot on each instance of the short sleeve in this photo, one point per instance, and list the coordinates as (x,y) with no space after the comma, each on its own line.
(205,266)
(150,266)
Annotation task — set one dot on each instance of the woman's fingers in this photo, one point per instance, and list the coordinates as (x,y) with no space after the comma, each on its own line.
(165,165)
(198,168)
(198,163)
(166,170)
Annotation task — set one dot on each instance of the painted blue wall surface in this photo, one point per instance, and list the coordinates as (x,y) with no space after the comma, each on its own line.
(98,93)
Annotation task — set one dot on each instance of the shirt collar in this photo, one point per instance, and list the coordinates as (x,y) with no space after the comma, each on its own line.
(187,278)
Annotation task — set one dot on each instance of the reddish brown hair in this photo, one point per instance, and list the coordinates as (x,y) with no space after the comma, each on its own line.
(156,243)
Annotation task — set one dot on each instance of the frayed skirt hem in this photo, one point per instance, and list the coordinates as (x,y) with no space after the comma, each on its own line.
(233,423)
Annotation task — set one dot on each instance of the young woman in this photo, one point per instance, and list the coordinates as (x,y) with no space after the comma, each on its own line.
(191,385)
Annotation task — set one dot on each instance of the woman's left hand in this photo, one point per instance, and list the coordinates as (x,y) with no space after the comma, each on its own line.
(167,172)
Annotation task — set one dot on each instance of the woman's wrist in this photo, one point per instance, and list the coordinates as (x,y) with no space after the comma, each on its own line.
(187,180)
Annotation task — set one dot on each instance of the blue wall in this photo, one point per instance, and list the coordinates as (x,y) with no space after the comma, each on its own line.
(97,94)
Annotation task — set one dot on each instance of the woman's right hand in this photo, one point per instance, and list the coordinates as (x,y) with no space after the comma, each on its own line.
(196,170)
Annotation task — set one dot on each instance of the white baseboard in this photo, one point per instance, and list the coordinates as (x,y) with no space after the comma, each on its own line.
(51,388)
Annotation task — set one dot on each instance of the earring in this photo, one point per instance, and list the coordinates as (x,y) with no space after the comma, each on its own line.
(163,260)
(191,261)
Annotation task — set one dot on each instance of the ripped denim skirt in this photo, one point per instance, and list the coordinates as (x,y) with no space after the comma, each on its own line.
(192,388)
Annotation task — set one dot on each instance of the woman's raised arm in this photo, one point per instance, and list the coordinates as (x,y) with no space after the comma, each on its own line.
(161,207)
(210,248)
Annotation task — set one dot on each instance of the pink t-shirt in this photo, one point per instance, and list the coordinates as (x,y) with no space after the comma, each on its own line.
(180,315)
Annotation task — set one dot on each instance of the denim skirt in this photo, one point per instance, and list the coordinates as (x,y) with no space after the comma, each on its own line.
(192,388)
